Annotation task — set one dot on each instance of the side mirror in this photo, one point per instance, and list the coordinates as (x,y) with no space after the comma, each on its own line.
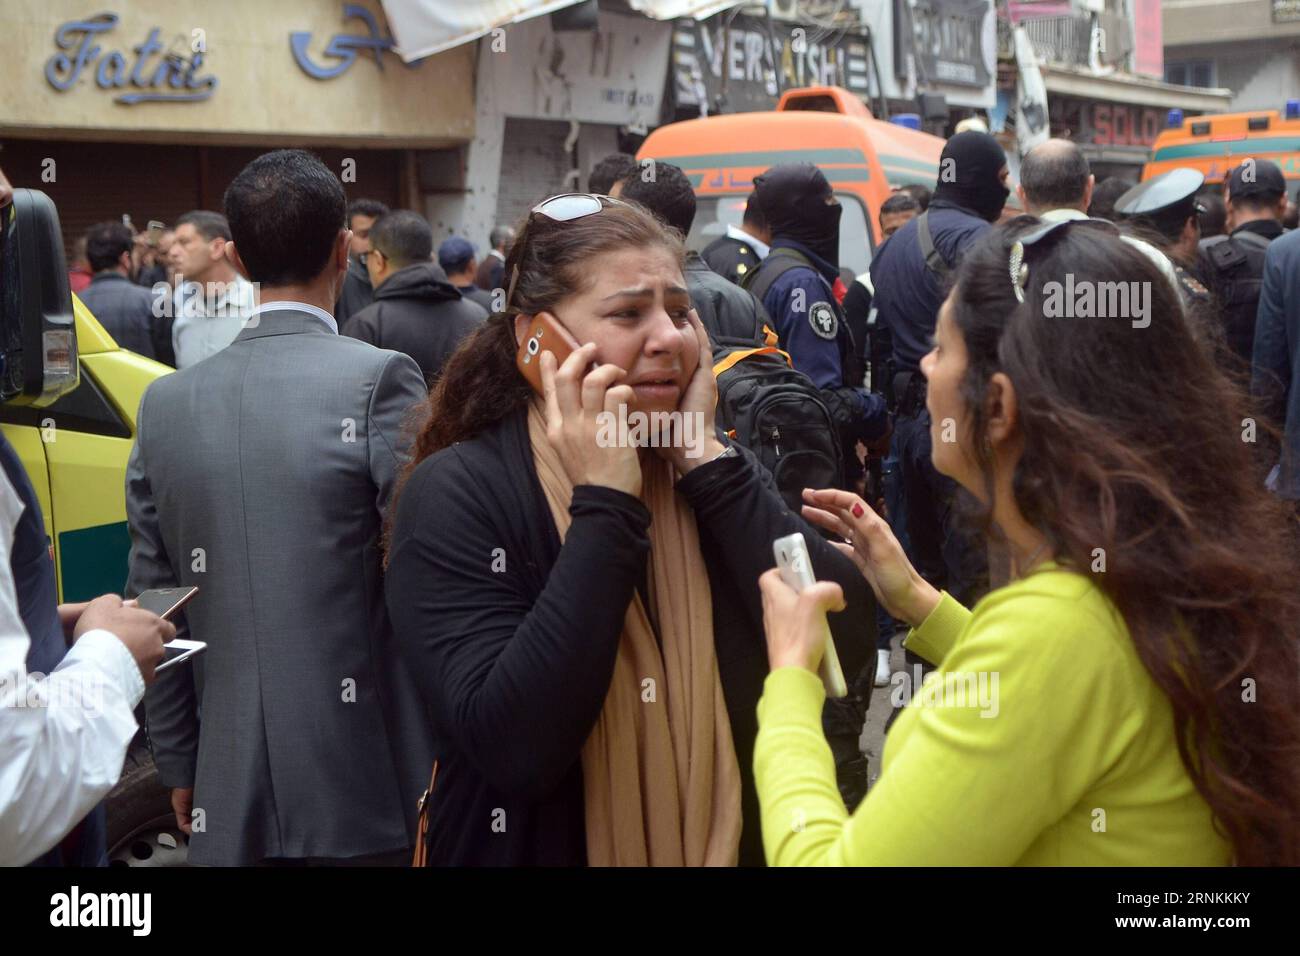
(38,333)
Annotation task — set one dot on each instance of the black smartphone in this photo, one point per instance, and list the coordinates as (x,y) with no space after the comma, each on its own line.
(165,601)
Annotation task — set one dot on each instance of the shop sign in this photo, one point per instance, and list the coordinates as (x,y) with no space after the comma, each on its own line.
(172,78)
(344,48)
(947,40)
(1118,124)
(736,59)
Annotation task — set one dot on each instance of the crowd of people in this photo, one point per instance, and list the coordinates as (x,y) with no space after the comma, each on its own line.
(444,615)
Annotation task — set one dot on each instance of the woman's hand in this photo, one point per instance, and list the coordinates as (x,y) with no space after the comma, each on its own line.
(699,403)
(795,622)
(573,403)
(875,550)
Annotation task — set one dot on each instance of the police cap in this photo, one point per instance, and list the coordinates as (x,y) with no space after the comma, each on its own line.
(1164,203)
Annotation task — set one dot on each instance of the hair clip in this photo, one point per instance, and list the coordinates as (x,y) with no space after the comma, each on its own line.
(1019,271)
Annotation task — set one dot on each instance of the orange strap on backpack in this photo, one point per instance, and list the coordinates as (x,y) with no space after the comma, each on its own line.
(743,354)
(421,857)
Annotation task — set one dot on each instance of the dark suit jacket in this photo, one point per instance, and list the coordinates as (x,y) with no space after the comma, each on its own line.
(262,475)
(1275,365)
(125,310)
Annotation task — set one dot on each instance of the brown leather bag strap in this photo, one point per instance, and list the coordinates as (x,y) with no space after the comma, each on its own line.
(421,857)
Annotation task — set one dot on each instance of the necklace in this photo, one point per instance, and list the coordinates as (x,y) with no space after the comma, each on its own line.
(1028,565)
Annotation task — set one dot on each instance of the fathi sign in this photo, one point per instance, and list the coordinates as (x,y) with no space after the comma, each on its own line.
(171,78)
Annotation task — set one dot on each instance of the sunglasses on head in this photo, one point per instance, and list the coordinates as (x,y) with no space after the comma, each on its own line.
(1016,264)
(565,207)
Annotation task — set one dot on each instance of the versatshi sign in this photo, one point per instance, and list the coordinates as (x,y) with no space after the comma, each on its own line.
(151,74)
(736,61)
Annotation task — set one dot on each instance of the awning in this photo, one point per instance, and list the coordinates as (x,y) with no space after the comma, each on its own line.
(424,27)
(1135,90)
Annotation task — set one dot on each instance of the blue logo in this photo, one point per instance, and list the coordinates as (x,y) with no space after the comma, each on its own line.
(344,48)
(174,77)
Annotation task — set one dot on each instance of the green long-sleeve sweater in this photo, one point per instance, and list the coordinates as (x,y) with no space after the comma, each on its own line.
(1039,740)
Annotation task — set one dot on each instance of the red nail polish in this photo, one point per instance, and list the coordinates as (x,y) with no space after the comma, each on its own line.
(857,509)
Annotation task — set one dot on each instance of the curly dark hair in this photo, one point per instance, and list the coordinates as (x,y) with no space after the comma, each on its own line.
(1133,443)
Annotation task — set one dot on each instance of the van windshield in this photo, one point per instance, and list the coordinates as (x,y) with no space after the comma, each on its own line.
(714,213)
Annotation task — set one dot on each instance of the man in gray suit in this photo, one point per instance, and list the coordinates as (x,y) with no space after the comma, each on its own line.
(261,475)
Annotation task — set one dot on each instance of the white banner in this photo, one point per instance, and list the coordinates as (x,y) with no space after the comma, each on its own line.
(1031,96)
(424,27)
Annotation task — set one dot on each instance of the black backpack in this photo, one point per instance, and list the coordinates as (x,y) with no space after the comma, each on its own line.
(775,411)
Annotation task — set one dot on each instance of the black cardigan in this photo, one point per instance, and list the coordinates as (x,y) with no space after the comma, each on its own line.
(512,638)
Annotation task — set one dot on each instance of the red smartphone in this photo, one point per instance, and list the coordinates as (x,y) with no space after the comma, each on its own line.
(165,601)
(544,335)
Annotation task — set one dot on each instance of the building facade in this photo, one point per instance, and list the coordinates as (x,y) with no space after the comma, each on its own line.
(1251,47)
(149,109)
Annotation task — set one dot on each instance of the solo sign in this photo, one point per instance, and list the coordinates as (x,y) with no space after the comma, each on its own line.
(1114,124)
(172,78)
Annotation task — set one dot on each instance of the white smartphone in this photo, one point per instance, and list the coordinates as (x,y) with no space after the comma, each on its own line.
(178,650)
(795,565)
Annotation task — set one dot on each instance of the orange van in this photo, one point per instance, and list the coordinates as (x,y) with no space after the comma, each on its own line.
(863,158)
(1215,144)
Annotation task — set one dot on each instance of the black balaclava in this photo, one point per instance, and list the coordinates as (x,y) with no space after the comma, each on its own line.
(968,174)
(793,198)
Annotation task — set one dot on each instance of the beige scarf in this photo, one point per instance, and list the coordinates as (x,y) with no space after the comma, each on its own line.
(660,779)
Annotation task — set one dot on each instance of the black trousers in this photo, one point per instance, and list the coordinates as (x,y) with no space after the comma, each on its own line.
(945,554)
(842,722)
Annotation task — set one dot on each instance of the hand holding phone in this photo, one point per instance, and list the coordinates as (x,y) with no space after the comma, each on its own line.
(143,634)
(577,394)
(795,565)
(545,334)
(166,602)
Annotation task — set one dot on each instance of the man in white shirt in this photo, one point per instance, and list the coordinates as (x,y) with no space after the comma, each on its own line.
(63,738)
(212,300)
(1056,185)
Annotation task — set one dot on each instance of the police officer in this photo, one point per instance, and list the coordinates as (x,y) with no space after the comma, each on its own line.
(795,284)
(738,252)
(1233,264)
(1167,208)
(909,274)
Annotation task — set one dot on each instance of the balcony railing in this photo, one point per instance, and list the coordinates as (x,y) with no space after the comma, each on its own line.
(1066,40)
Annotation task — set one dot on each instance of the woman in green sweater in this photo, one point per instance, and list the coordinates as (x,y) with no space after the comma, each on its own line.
(1132,697)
